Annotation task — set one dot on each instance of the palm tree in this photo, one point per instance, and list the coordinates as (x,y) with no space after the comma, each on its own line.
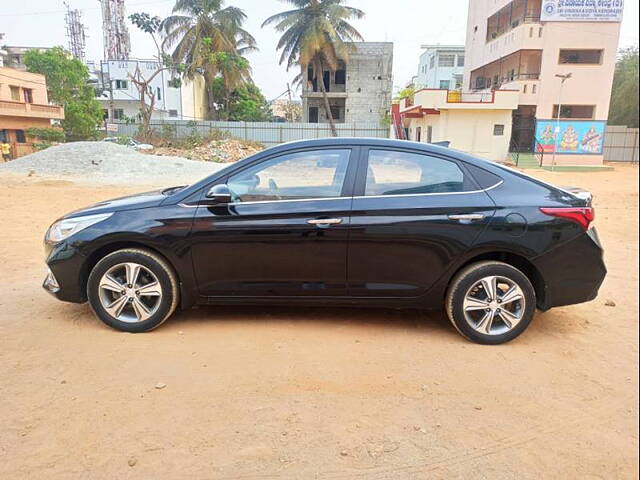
(209,40)
(317,34)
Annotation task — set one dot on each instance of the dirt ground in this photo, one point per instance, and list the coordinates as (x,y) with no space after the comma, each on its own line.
(261,393)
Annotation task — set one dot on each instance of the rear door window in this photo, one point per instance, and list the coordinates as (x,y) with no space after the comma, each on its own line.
(392,172)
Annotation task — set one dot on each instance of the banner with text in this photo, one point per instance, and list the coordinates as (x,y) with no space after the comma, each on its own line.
(582,137)
(582,10)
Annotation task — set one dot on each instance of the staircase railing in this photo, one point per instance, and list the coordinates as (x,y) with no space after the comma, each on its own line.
(396,118)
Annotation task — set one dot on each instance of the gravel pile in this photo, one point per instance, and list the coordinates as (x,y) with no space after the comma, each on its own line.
(110,164)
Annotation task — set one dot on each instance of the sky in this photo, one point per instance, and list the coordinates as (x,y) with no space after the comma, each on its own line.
(407,23)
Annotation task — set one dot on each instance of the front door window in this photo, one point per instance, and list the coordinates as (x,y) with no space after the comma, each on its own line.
(296,176)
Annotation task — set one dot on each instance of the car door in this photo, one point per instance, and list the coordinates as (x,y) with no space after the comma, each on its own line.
(285,231)
(413,214)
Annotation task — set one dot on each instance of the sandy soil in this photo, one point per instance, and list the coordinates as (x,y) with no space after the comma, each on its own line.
(259,393)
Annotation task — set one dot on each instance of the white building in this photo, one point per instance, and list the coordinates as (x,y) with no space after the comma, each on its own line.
(441,66)
(183,100)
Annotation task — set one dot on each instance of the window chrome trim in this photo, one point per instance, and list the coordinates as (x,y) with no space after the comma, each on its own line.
(315,199)
(319,199)
(431,194)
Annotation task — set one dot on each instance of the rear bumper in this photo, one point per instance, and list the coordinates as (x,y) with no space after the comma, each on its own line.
(572,272)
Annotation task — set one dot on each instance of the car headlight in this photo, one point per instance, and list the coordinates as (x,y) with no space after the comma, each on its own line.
(65,228)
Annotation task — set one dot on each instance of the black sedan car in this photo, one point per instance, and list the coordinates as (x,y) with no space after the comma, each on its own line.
(365,222)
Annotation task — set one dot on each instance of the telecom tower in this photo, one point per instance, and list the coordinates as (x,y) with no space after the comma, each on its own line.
(117,44)
(75,33)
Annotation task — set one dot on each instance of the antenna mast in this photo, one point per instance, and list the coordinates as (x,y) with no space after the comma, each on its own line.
(117,45)
(75,32)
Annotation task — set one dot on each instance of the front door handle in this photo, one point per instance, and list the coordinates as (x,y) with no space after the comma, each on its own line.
(467,217)
(324,221)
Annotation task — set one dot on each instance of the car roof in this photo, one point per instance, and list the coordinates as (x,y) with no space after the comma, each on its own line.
(386,143)
(366,142)
(363,142)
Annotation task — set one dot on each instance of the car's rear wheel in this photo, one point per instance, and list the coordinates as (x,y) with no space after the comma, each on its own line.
(132,290)
(490,302)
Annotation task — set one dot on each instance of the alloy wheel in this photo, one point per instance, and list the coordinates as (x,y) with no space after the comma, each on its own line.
(494,305)
(130,292)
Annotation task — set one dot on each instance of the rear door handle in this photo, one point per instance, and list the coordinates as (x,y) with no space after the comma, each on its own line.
(469,217)
(324,221)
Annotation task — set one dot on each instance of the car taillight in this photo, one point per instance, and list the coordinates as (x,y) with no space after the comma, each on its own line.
(580,215)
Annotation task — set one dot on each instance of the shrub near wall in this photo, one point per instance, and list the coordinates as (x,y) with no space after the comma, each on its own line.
(42,138)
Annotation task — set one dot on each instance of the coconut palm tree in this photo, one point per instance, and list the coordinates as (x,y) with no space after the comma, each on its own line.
(209,40)
(316,33)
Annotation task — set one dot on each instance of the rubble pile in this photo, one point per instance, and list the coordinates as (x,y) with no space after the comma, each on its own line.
(219,151)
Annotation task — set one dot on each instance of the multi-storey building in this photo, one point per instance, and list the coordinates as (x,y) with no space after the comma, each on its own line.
(359,90)
(23,105)
(13,56)
(560,57)
(174,100)
(441,66)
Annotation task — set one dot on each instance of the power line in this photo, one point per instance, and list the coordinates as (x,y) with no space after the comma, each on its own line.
(51,12)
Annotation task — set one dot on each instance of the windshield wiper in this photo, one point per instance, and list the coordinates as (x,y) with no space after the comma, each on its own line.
(172,190)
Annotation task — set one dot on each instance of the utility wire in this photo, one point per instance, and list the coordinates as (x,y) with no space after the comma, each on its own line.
(51,12)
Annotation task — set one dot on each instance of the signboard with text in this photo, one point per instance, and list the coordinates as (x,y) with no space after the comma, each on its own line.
(582,10)
(582,137)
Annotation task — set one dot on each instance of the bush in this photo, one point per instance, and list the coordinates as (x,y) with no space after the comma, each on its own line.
(47,135)
(123,140)
(37,146)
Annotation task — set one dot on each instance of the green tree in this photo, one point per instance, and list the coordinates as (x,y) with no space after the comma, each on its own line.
(624,94)
(142,80)
(244,103)
(317,34)
(67,85)
(407,92)
(209,40)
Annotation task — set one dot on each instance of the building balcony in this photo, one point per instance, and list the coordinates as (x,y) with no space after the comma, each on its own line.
(528,88)
(432,101)
(332,94)
(511,16)
(11,108)
(522,65)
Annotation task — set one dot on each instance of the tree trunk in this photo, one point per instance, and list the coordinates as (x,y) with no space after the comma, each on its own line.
(211,103)
(146,110)
(327,107)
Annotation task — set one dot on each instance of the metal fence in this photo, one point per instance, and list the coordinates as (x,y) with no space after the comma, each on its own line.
(267,133)
(621,144)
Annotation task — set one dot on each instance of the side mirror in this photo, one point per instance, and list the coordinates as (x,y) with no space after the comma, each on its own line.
(218,194)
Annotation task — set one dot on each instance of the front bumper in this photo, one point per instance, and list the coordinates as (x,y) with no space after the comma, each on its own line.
(572,272)
(50,283)
(64,279)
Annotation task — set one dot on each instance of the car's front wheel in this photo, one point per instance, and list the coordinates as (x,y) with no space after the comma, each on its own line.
(132,290)
(490,302)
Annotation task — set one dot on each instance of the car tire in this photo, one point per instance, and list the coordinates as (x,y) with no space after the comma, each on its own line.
(146,303)
(487,318)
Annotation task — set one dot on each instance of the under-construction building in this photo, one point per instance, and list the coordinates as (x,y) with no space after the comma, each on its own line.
(117,45)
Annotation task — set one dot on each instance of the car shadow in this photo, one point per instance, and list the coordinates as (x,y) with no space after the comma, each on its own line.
(414,319)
